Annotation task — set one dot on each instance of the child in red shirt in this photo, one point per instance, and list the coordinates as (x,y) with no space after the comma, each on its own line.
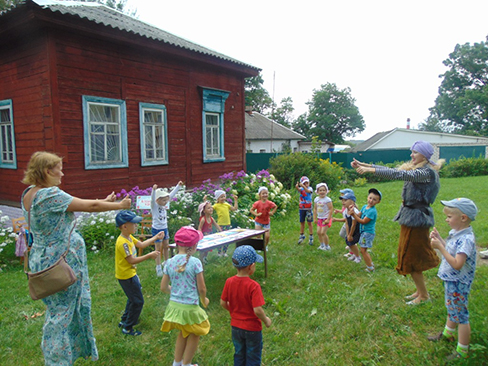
(263,209)
(243,298)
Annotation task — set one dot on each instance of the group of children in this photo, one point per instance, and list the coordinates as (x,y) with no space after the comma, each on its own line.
(358,227)
(243,297)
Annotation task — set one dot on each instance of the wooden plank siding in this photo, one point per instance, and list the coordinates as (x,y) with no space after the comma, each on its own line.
(47,76)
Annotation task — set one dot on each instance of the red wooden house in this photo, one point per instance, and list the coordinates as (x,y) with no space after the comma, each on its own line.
(125,103)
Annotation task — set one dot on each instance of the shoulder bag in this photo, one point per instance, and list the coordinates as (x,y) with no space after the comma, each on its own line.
(53,279)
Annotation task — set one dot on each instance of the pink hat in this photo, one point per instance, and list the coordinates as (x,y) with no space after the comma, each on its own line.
(201,207)
(188,236)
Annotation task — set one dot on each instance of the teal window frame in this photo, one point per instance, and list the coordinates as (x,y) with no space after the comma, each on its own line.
(105,132)
(157,137)
(213,106)
(8,156)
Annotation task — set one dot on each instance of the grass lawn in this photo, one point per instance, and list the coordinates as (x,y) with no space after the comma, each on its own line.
(325,309)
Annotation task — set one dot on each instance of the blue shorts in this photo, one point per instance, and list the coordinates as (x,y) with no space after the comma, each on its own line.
(366,240)
(306,214)
(456,298)
(264,226)
(157,231)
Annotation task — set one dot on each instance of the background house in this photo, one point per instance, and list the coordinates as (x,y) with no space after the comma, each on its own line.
(125,103)
(325,146)
(403,139)
(266,136)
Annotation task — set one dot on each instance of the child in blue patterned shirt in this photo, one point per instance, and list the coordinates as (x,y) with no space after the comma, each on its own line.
(457,270)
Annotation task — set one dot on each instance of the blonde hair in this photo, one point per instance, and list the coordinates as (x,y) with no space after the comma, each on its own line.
(39,163)
(182,267)
(410,166)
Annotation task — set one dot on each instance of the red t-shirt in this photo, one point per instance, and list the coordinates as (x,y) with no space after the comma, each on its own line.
(243,295)
(263,207)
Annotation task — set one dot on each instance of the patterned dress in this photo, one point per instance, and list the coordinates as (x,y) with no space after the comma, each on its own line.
(68,330)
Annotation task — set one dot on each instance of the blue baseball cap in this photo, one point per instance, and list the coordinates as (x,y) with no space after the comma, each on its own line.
(465,205)
(376,192)
(346,190)
(348,196)
(244,256)
(125,216)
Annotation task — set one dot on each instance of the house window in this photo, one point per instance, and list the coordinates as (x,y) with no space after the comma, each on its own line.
(105,132)
(213,124)
(153,127)
(7,137)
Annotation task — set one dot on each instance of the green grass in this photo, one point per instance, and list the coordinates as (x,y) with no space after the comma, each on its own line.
(325,309)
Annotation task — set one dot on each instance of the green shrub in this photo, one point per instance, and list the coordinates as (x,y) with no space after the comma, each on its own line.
(7,242)
(289,168)
(465,167)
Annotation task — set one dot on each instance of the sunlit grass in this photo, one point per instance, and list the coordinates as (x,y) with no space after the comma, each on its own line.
(325,309)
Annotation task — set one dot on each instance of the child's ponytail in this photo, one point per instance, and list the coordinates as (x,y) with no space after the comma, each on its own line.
(182,267)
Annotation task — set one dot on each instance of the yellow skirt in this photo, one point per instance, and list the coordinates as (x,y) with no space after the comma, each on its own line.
(189,319)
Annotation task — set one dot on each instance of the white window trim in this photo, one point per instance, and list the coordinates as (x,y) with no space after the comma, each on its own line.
(213,103)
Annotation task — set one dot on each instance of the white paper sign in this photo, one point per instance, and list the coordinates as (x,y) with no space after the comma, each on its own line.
(143,203)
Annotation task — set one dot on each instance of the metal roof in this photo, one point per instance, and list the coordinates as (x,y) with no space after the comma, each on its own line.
(101,14)
(259,127)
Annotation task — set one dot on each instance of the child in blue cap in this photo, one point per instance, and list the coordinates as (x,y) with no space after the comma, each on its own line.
(125,267)
(244,300)
(457,270)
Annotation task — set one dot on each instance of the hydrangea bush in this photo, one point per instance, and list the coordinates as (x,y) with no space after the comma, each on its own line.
(7,241)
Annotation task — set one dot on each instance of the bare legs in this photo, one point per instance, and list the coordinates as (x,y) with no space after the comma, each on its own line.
(186,347)
(367,258)
(422,294)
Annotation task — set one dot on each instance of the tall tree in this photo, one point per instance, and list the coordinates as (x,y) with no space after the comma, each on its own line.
(256,96)
(332,115)
(462,103)
(283,113)
(6,4)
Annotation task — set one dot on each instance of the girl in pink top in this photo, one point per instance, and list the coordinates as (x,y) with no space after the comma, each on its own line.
(207,222)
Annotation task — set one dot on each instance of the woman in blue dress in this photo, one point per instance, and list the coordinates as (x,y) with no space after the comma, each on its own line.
(68,330)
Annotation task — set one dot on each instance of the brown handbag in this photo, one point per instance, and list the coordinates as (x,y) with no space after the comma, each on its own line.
(53,279)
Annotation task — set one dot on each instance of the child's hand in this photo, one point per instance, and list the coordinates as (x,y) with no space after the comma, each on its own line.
(205,302)
(125,203)
(436,243)
(180,183)
(155,186)
(258,214)
(154,254)
(159,236)
(434,234)
(267,322)
(349,238)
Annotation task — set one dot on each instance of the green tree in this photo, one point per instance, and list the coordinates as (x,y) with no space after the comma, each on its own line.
(332,115)
(462,103)
(283,114)
(256,96)
(6,4)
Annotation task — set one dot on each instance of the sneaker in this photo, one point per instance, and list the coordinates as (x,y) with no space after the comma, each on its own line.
(224,255)
(327,247)
(484,254)
(370,269)
(121,324)
(440,337)
(357,260)
(454,356)
(348,254)
(310,241)
(159,271)
(131,332)
(322,247)
(301,239)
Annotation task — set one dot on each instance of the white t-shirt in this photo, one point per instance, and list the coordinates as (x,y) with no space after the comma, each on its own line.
(322,207)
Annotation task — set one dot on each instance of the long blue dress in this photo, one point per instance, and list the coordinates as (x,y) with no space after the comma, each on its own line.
(68,329)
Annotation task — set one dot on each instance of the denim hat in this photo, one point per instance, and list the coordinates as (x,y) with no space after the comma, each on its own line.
(244,256)
(218,193)
(188,236)
(425,148)
(125,216)
(465,205)
(376,192)
(346,190)
(348,196)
